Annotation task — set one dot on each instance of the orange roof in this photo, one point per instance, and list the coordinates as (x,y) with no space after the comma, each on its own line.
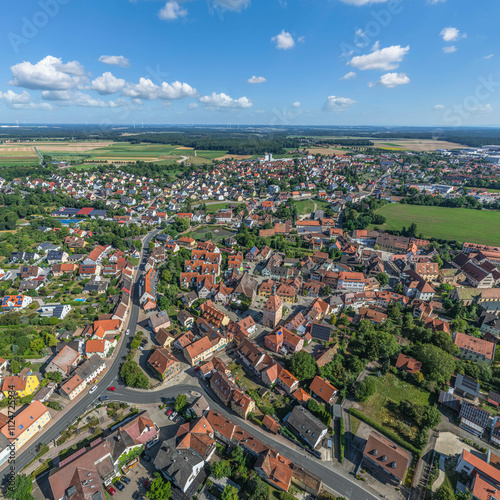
(479,346)
(287,378)
(24,420)
(96,345)
(301,395)
(481,465)
(323,389)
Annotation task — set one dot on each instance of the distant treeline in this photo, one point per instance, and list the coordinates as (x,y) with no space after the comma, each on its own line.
(345,142)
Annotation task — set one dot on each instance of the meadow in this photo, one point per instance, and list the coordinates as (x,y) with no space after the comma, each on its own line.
(460,224)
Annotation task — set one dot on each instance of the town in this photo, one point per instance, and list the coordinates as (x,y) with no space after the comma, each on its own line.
(252,325)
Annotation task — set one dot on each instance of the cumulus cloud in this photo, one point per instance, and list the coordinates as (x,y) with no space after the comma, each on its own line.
(450,34)
(384,59)
(349,75)
(296,104)
(171,11)
(115,61)
(146,89)
(48,74)
(224,101)
(107,83)
(335,103)
(284,40)
(438,107)
(21,101)
(391,80)
(450,49)
(256,79)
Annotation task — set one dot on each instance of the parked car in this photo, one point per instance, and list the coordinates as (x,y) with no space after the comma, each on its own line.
(111,490)
(112,388)
(127,332)
(173,415)
(169,412)
(120,485)
(146,457)
(125,480)
(103,398)
(93,389)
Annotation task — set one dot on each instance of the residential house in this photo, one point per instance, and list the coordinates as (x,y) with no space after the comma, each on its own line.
(323,389)
(303,423)
(164,363)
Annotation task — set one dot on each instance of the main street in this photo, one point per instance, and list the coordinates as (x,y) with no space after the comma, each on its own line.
(339,481)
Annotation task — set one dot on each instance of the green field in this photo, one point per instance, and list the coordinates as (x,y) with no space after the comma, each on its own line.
(213,208)
(305,207)
(392,389)
(476,226)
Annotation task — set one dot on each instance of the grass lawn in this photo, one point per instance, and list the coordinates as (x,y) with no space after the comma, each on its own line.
(446,223)
(241,377)
(216,207)
(305,207)
(392,389)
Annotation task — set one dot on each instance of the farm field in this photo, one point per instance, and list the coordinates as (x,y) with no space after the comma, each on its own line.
(391,389)
(446,223)
(419,145)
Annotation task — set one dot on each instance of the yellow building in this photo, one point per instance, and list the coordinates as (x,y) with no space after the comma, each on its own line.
(27,424)
(242,404)
(24,385)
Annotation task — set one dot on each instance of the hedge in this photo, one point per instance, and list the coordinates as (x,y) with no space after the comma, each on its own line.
(391,435)
(342,440)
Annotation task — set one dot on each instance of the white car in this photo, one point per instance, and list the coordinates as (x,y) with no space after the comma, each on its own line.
(93,389)
(127,332)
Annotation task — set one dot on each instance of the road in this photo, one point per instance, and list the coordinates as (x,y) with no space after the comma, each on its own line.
(339,481)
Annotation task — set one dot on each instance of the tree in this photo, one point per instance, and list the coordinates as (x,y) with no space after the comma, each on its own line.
(257,488)
(303,365)
(37,345)
(437,365)
(431,417)
(439,260)
(54,376)
(444,492)
(160,489)
(220,469)
(230,493)
(238,458)
(20,488)
(180,402)
(365,390)
(133,376)
(383,279)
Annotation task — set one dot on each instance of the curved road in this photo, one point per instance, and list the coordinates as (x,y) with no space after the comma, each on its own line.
(338,481)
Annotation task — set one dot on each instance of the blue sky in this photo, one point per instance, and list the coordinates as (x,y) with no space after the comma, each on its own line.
(269,62)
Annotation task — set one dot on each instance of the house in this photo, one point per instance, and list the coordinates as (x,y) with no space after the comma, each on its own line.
(159,320)
(26,424)
(181,458)
(164,338)
(86,373)
(320,332)
(242,404)
(81,477)
(56,257)
(64,361)
(325,391)
(303,423)
(164,363)
(202,349)
(287,381)
(22,384)
(351,282)
(15,302)
(185,319)
(474,466)
(54,311)
(274,469)
(270,424)
(223,387)
(100,347)
(474,349)
(199,407)
(473,419)
(407,364)
(386,458)
(466,387)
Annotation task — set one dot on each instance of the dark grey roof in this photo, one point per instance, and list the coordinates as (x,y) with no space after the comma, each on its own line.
(320,332)
(467,384)
(475,414)
(89,366)
(450,400)
(305,423)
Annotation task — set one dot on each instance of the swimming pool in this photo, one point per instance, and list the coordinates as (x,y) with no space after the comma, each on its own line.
(69,221)
(80,300)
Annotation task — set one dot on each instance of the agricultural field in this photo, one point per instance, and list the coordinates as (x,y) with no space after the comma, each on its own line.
(459,224)
(102,151)
(390,389)
(419,145)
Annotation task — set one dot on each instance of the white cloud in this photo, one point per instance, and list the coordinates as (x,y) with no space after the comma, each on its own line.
(224,101)
(489,56)
(192,105)
(483,109)
(349,75)
(384,59)
(359,3)
(335,103)
(256,79)
(434,2)
(284,40)
(438,107)
(146,89)
(172,10)
(391,80)
(48,74)
(77,98)
(107,83)
(115,61)
(450,49)
(21,101)
(450,34)
(233,5)
(296,104)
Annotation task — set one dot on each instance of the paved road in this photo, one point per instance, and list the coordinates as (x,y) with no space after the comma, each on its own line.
(109,377)
(338,480)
